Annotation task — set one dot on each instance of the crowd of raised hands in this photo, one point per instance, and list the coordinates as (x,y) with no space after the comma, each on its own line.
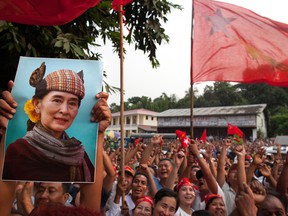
(161,177)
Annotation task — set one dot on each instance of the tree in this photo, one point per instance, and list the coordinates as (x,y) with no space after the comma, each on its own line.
(220,94)
(75,40)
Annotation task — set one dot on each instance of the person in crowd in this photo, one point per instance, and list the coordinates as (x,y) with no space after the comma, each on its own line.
(207,183)
(139,188)
(186,196)
(129,174)
(227,181)
(272,205)
(41,193)
(214,203)
(165,202)
(46,145)
(143,206)
(90,192)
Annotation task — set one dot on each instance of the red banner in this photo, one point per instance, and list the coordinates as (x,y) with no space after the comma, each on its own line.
(234,44)
(44,12)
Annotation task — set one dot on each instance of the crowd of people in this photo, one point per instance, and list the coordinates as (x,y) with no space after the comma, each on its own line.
(216,178)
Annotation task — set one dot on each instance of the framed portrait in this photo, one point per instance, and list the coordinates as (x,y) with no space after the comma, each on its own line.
(82,129)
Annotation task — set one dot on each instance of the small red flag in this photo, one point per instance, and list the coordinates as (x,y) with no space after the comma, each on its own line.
(232,129)
(44,12)
(116,4)
(183,138)
(203,136)
(234,44)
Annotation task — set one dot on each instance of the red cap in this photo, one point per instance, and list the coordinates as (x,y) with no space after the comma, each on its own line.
(129,170)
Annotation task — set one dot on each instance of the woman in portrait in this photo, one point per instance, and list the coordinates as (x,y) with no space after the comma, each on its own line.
(46,152)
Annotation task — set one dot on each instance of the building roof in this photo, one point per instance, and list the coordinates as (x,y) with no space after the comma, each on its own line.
(136,112)
(215,111)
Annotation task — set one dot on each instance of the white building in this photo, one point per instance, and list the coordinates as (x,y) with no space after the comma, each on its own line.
(136,121)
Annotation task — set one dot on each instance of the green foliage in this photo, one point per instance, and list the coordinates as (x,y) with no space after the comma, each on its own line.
(76,40)
(279,122)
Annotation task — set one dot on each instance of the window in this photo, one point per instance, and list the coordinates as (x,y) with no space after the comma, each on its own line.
(128,120)
(152,118)
(134,121)
(147,117)
(114,121)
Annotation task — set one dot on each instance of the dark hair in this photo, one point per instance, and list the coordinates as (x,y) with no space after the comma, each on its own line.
(280,197)
(210,201)
(141,173)
(166,192)
(66,187)
(167,159)
(202,213)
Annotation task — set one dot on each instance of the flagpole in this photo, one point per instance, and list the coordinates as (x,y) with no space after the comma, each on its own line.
(122,97)
(191,78)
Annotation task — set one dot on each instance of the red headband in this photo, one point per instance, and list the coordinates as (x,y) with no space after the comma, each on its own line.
(144,199)
(210,196)
(183,182)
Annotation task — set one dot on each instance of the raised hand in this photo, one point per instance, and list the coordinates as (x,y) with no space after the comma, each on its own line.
(258,158)
(245,202)
(156,140)
(7,106)
(101,112)
(265,170)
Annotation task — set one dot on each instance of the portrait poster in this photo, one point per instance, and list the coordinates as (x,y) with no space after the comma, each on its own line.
(82,128)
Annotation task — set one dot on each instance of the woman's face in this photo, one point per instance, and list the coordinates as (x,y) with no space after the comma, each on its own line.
(166,206)
(217,207)
(58,111)
(186,195)
(143,208)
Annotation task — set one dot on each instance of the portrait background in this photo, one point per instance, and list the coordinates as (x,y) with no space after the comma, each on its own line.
(82,129)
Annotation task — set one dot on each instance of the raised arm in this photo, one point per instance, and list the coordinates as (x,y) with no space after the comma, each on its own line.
(211,181)
(241,173)
(132,153)
(91,192)
(209,159)
(7,110)
(155,142)
(257,160)
(282,184)
(178,159)
(110,173)
(221,163)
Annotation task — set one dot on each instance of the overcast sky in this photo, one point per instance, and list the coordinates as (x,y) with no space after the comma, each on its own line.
(173,75)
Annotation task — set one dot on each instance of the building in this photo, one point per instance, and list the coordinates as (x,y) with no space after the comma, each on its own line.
(136,121)
(249,118)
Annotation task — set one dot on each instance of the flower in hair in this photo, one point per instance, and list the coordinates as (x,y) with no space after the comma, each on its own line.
(30,111)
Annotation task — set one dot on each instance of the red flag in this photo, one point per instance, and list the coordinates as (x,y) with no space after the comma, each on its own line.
(116,4)
(232,129)
(184,140)
(234,44)
(44,12)
(203,136)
